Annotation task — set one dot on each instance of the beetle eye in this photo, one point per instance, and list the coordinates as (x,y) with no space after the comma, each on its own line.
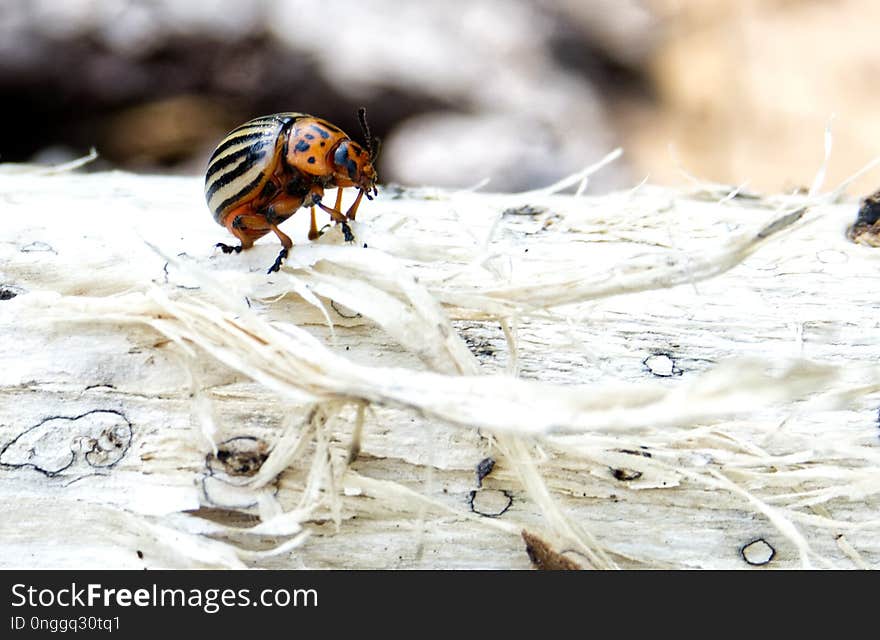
(344,162)
(340,157)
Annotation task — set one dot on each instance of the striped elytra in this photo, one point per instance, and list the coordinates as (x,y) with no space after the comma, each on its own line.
(243,162)
(266,169)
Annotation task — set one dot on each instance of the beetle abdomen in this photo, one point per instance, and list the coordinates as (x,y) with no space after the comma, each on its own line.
(244,161)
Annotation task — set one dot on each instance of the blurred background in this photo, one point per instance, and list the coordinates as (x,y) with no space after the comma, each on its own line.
(519,91)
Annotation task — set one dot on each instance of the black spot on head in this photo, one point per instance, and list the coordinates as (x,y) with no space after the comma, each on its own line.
(320,131)
(302,145)
(323,144)
(311,160)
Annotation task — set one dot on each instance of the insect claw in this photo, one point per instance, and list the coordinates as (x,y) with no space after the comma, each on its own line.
(346,231)
(282,256)
(226,248)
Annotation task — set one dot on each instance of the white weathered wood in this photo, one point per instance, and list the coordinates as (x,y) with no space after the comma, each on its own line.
(132,353)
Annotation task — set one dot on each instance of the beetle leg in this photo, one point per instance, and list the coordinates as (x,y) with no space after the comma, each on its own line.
(314,234)
(346,230)
(236,224)
(280,210)
(354,207)
(282,256)
(336,213)
(341,219)
(286,243)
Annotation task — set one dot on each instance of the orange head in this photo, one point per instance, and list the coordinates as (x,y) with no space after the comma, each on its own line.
(320,149)
(355,165)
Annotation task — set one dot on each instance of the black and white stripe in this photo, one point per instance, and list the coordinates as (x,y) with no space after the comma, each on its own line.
(243,162)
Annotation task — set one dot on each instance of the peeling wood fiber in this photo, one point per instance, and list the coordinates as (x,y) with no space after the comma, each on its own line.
(660,377)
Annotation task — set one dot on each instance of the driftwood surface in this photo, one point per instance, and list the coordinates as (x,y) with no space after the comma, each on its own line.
(663,379)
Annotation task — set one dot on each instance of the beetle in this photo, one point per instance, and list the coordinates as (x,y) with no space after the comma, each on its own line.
(263,171)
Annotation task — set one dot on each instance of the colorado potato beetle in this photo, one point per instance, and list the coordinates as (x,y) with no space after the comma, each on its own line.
(263,171)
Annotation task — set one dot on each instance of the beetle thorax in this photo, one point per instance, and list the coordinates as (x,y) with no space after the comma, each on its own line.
(310,146)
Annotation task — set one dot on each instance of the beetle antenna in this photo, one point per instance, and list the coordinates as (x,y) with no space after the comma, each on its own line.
(377,147)
(372,149)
